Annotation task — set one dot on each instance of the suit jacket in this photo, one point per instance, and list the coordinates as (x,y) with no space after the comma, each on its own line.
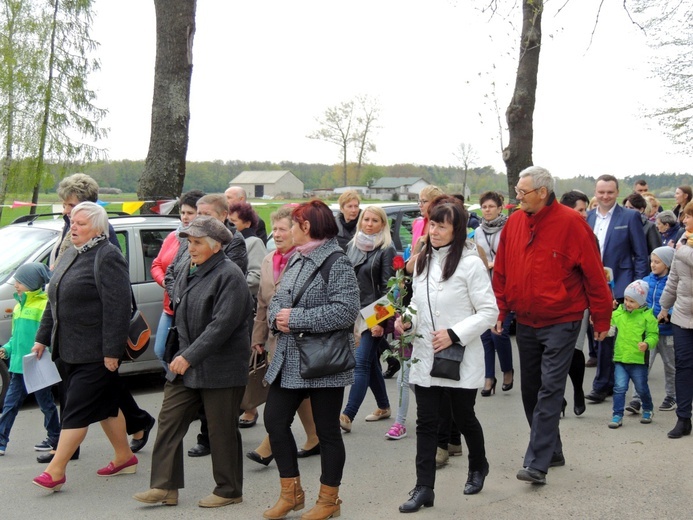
(625,248)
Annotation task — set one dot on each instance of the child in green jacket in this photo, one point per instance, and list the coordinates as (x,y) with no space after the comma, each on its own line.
(638,331)
(29,281)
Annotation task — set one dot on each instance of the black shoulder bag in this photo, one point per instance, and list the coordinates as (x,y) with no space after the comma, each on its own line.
(446,363)
(327,353)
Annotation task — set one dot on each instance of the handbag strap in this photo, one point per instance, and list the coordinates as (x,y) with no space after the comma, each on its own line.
(97,279)
(428,296)
(324,268)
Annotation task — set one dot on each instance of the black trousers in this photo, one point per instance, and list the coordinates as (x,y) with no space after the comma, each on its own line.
(448,432)
(545,357)
(279,413)
(428,402)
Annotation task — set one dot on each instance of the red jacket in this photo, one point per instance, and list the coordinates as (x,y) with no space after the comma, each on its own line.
(548,269)
(166,255)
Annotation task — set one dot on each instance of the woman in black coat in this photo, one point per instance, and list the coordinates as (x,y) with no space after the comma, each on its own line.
(89,338)
(371,252)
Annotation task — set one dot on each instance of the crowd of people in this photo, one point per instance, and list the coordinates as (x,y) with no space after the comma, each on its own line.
(566,272)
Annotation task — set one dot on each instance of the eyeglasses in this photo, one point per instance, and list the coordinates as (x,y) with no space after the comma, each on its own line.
(523,193)
(422,202)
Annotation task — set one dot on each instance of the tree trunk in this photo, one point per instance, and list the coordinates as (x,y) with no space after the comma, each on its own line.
(164,169)
(520,113)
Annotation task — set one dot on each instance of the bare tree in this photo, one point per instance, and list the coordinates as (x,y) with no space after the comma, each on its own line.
(669,32)
(520,113)
(369,111)
(337,127)
(164,169)
(466,154)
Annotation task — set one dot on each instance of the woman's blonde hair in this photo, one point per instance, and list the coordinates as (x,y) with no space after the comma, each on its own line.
(347,196)
(430,192)
(380,213)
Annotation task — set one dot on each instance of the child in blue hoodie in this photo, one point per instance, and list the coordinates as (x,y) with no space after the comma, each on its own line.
(660,261)
(31,302)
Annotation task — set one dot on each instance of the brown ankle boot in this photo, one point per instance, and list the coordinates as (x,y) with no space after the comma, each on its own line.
(291,498)
(327,505)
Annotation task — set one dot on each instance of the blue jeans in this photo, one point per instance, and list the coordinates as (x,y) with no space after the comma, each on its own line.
(165,323)
(16,394)
(367,374)
(498,343)
(624,372)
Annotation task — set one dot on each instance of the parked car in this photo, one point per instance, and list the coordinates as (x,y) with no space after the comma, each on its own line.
(140,238)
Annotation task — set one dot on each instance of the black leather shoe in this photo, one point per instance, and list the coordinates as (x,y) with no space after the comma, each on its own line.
(137,444)
(199,450)
(596,397)
(315,450)
(557,459)
(475,481)
(256,457)
(47,457)
(420,496)
(245,423)
(393,367)
(532,475)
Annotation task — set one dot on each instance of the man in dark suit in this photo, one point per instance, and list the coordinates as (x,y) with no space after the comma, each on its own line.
(624,250)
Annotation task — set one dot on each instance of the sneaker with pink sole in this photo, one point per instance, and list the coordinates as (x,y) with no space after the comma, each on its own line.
(397,431)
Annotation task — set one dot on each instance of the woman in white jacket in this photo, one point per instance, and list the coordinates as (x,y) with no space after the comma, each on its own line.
(454,303)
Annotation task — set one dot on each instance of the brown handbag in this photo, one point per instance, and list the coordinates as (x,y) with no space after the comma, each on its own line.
(257,389)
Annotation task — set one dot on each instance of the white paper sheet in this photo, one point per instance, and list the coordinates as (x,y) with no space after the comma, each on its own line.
(39,373)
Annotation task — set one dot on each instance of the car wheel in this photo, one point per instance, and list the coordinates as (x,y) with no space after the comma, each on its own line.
(4,382)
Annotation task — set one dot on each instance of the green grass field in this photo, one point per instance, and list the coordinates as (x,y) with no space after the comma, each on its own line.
(263,208)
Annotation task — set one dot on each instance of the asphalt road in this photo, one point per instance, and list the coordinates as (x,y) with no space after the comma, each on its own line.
(632,472)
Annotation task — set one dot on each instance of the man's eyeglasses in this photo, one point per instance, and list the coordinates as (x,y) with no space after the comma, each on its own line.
(523,193)
(422,202)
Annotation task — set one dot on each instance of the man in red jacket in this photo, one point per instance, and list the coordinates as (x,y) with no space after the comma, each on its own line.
(548,270)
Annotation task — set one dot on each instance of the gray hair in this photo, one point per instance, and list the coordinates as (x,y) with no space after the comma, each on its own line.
(667,217)
(541,178)
(94,213)
(81,186)
(211,242)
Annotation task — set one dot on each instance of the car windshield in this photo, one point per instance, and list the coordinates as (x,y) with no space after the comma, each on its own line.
(20,243)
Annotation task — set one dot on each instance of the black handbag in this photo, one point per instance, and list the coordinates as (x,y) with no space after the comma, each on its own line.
(172,344)
(327,353)
(446,363)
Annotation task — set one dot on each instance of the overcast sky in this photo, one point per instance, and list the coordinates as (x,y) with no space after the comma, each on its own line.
(264,70)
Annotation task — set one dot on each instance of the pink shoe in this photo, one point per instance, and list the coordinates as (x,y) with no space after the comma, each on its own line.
(45,481)
(397,431)
(112,470)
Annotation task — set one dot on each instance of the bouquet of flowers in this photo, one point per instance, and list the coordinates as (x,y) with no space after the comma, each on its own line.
(399,286)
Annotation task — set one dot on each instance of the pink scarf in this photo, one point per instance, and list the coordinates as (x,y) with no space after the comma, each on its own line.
(279,262)
(310,246)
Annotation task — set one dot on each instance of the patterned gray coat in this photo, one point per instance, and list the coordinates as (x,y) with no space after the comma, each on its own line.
(322,308)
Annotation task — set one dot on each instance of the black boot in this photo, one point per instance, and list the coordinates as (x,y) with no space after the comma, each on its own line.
(683,427)
(475,480)
(393,367)
(420,496)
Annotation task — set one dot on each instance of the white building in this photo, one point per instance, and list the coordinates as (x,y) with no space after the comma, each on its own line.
(269,184)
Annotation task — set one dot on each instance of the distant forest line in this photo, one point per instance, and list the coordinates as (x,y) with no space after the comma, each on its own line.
(214,176)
